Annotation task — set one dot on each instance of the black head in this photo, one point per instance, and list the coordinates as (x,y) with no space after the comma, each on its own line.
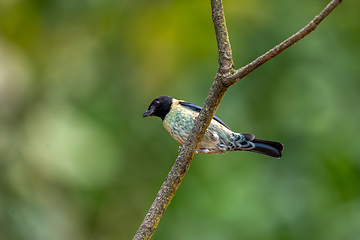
(159,107)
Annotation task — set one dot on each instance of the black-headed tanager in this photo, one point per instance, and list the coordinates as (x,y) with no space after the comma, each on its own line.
(178,119)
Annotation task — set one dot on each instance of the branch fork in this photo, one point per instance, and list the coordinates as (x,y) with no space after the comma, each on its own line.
(225,77)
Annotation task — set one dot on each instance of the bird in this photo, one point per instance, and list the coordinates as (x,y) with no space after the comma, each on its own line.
(178,118)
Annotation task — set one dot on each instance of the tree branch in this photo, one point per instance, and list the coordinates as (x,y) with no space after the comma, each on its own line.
(242,72)
(222,38)
(225,77)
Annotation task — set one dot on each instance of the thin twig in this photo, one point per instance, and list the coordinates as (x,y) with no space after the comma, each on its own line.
(242,72)
(224,79)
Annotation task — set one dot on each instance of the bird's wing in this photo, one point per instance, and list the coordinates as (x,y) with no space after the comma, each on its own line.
(196,108)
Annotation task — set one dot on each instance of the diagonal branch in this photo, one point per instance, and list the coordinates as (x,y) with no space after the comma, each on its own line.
(224,79)
(242,72)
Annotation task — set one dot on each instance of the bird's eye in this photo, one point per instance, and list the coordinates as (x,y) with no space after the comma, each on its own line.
(156,103)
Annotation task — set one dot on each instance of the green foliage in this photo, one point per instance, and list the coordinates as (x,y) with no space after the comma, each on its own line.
(77,161)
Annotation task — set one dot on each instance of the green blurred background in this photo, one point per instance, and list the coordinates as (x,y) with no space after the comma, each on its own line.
(77,160)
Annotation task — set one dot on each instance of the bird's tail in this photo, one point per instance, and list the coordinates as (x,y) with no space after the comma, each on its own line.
(270,148)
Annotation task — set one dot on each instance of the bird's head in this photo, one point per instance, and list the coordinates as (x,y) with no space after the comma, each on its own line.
(159,107)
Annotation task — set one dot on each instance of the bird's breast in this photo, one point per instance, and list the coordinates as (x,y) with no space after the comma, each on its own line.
(179,122)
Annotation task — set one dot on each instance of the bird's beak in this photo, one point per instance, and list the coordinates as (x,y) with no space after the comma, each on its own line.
(148,112)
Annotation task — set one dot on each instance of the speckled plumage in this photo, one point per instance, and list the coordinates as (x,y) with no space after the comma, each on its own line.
(178,119)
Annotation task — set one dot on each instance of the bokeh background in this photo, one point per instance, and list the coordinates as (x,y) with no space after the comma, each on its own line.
(77,160)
